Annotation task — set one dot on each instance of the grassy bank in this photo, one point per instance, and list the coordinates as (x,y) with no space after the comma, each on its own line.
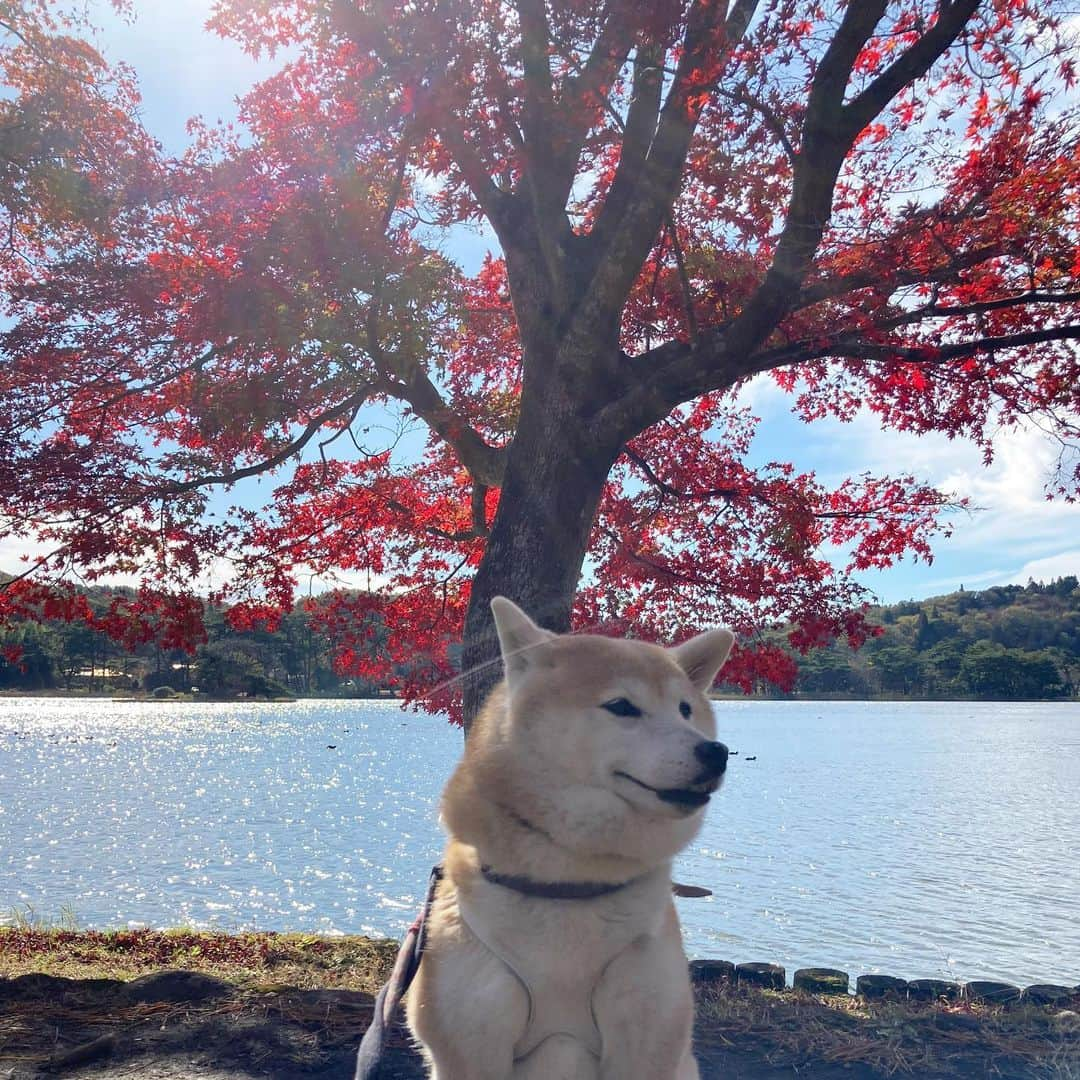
(250,960)
(768,1032)
(894,1037)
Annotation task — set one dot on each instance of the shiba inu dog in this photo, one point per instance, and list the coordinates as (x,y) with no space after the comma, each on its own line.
(553,946)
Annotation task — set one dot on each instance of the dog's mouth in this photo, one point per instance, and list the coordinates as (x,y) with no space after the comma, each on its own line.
(685,798)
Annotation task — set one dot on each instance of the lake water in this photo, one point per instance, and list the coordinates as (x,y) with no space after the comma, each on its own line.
(917,839)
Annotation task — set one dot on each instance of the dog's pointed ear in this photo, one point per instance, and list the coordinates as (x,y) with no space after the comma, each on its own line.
(518,636)
(703,656)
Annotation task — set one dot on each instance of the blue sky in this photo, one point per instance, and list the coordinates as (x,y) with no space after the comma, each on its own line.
(184,71)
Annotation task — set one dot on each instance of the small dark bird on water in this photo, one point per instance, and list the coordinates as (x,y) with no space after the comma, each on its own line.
(331,746)
(754,758)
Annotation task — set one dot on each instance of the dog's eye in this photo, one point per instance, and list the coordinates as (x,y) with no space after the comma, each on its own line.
(621,707)
(684,708)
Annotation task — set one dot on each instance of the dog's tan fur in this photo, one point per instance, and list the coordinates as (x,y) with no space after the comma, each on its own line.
(516,987)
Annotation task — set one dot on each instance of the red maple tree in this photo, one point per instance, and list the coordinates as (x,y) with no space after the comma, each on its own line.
(876,203)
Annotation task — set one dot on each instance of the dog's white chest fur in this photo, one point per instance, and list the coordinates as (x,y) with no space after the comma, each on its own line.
(580,938)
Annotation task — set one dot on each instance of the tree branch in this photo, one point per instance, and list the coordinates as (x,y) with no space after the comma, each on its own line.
(767,113)
(494,202)
(536,117)
(365,32)
(912,64)
(824,145)
(677,493)
(477,531)
(950,311)
(730,493)
(834,287)
(684,284)
(609,53)
(539,121)
(857,348)
(645,97)
(404,378)
(347,407)
(643,192)
(829,130)
(483,462)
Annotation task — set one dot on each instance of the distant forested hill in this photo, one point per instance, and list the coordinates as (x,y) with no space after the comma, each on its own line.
(1008,642)
(295,659)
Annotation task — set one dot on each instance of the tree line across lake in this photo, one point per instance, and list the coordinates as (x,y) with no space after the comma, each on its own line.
(1007,642)
(295,659)
(1010,642)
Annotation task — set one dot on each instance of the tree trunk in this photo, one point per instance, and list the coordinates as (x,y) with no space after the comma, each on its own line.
(555,475)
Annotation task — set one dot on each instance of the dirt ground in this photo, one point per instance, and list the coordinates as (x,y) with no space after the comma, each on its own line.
(190,1026)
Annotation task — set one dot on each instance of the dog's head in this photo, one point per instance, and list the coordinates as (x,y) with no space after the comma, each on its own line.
(610,743)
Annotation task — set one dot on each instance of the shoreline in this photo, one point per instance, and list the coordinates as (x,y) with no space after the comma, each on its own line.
(127,696)
(27,947)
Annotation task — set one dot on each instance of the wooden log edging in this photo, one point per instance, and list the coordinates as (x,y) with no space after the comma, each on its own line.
(770,976)
(821,980)
(878,986)
(1049,994)
(934,990)
(832,981)
(706,972)
(992,993)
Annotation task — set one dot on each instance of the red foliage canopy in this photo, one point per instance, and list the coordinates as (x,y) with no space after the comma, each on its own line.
(877,203)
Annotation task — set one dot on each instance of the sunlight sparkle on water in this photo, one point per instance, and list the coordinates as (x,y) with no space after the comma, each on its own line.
(906,838)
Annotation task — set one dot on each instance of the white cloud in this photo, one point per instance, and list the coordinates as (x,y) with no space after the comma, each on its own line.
(984,580)
(12,550)
(1010,511)
(18,554)
(1013,531)
(1064,564)
(763,397)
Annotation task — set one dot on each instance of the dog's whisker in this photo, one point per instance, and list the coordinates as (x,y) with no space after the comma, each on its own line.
(497,660)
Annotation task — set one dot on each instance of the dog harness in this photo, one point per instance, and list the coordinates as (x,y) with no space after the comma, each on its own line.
(564,1008)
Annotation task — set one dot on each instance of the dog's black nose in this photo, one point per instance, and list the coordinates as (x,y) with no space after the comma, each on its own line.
(713,755)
